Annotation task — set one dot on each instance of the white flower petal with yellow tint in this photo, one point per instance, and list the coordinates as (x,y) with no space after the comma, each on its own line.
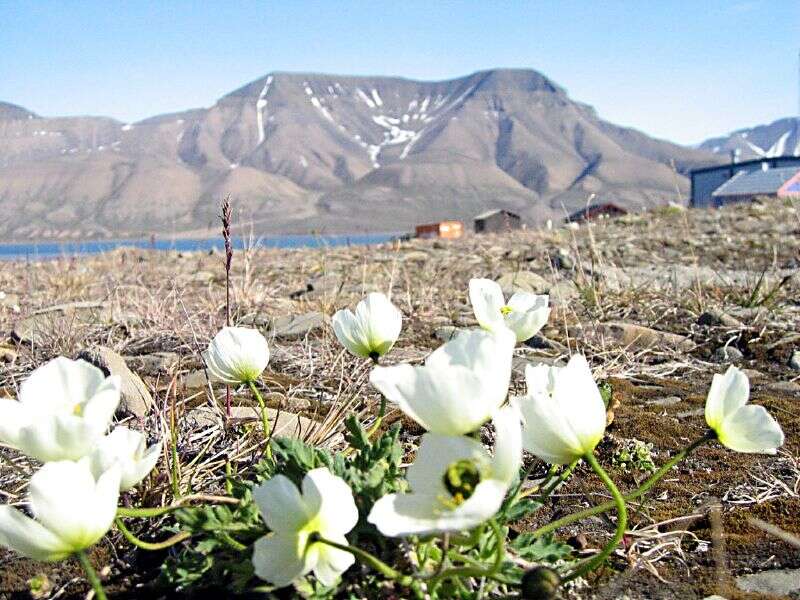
(236,355)
(129,449)
(461,384)
(430,507)
(64,407)
(524,314)
(739,426)
(324,508)
(563,411)
(372,330)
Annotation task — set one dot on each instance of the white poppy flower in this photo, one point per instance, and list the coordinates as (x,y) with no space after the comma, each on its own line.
(129,449)
(739,426)
(372,330)
(563,413)
(461,384)
(524,314)
(64,407)
(72,511)
(455,483)
(325,508)
(237,355)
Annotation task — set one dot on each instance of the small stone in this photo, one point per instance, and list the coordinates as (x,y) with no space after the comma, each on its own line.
(298,326)
(637,337)
(324,285)
(777,582)
(8,354)
(135,398)
(563,260)
(784,387)
(523,281)
(540,342)
(712,318)
(287,425)
(415,256)
(446,333)
(727,354)
(194,380)
(200,418)
(55,321)
(562,292)
(157,363)
(666,401)
(794,362)
(9,301)
(689,414)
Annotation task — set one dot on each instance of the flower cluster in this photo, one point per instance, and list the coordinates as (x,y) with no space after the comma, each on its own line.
(61,418)
(457,490)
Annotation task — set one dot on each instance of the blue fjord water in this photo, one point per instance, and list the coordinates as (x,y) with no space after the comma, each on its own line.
(42,250)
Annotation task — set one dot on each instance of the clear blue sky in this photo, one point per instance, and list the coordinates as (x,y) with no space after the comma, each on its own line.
(678,70)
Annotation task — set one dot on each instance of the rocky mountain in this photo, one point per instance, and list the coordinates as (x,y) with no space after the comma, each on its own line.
(779,138)
(301,152)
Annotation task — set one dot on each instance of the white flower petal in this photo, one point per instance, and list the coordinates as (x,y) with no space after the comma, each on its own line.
(330,499)
(278,558)
(100,408)
(13,417)
(527,324)
(52,438)
(508,445)
(29,538)
(436,452)
(330,562)
(751,429)
(487,300)
(727,394)
(407,514)
(68,501)
(372,329)
(237,354)
(60,384)
(349,333)
(281,505)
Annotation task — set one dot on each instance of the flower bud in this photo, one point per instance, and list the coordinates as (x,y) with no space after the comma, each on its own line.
(540,583)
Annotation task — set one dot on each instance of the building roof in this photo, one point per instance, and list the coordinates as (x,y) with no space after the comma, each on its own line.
(746,163)
(494,211)
(756,182)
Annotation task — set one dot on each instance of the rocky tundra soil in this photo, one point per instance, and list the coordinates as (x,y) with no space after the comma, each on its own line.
(658,302)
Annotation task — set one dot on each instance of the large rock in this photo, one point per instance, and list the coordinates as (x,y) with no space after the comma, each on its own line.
(636,337)
(136,399)
(157,363)
(57,321)
(297,326)
(777,582)
(523,281)
(287,424)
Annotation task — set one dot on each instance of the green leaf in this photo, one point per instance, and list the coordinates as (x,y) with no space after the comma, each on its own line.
(540,549)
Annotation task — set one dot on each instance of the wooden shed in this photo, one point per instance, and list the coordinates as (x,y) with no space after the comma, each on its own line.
(497,221)
(607,209)
(441,229)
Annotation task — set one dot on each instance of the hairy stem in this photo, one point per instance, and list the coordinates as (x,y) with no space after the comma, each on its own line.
(264,416)
(478,572)
(369,560)
(126,533)
(158,511)
(622,521)
(643,489)
(91,575)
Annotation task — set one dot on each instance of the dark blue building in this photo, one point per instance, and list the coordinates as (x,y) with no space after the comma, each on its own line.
(707,180)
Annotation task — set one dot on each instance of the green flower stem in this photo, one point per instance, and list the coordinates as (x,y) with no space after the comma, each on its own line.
(377,424)
(158,511)
(369,560)
(622,521)
(126,533)
(478,572)
(91,575)
(643,489)
(264,417)
(562,477)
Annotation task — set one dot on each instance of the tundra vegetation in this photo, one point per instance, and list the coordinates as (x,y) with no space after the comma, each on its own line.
(602,411)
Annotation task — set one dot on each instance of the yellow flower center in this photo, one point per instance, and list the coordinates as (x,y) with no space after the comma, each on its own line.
(506,310)
(461,478)
(77,410)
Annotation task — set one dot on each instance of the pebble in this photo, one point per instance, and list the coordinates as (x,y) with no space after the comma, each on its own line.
(49,323)
(287,424)
(135,398)
(297,326)
(523,281)
(716,317)
(636,337)
(666,401)
(794,362)
(727,354)
(777,582)
(156,363)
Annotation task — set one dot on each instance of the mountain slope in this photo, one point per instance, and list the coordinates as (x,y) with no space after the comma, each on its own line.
(782,137)
(310,151)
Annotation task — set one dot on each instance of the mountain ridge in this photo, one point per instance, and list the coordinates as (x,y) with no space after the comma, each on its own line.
(301,152)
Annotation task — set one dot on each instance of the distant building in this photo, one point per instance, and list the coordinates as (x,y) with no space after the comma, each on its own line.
(708,180)
(744,186)
(442,229)
(607,209)
(496,221)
